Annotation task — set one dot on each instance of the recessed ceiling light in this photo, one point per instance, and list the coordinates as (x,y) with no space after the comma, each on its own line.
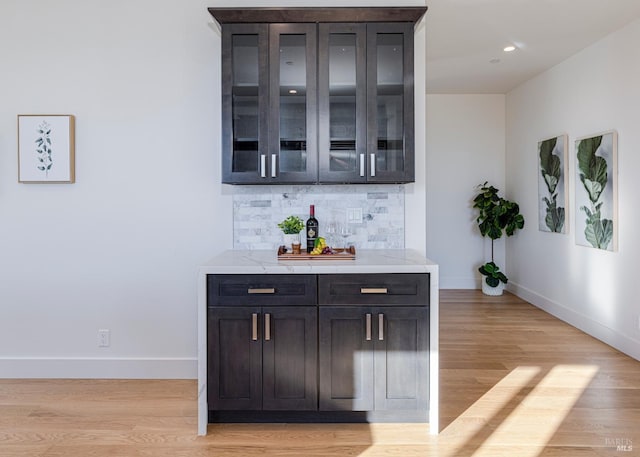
(494,61)
(293,91)
(509,49)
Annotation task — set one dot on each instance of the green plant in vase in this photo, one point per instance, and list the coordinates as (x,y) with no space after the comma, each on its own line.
(291,227)
(496,217)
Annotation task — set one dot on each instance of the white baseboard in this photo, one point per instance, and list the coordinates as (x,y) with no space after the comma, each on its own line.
(98,368)
(621,342)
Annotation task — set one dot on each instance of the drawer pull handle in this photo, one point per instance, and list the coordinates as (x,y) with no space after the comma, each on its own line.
(373,290)
(381,327)
(261,291)
(254,327)
(368,327)
(267,327)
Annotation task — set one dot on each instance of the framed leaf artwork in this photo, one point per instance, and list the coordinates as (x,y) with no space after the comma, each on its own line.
(46,148)
(596,191)
(553,185)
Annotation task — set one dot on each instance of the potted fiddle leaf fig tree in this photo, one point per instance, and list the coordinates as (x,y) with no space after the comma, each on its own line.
(496,217)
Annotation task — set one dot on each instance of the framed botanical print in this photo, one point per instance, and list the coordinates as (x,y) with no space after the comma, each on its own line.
(596,191)
(46,148)
(552,185)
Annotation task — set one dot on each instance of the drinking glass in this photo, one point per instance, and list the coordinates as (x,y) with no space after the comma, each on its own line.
(345,232)
(332,230)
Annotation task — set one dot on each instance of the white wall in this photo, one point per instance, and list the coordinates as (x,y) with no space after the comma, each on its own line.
(120,248)
(465,147)
(593,91)
(415,218)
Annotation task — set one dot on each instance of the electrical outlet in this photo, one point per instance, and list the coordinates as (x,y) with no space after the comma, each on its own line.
(354,215)
(104,338)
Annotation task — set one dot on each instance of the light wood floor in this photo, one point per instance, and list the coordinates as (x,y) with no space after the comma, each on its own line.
(515,382)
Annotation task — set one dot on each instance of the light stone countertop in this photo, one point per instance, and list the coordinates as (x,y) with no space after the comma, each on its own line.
(366,261)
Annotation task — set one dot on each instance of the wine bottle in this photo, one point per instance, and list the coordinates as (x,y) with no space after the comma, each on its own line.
(312,229)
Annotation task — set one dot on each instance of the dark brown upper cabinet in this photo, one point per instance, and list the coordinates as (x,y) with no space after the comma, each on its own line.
(390,107)
(317,95)
(342,95)
(366,109)
(293,135)
(245,103)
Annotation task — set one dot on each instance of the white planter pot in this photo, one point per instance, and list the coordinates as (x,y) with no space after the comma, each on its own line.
(288,239)
(493,291)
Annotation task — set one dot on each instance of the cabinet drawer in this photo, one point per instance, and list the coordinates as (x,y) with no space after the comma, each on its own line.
(243,290)
(374,289)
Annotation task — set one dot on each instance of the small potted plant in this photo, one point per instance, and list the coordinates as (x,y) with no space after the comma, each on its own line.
(496,216)
(291,227)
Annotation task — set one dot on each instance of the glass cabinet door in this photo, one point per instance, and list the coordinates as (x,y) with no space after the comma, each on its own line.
(342,102)
(293,103)
(306,103)
(390,128)
(244,103)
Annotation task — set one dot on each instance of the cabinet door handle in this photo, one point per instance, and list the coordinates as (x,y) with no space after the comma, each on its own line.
(373,165)
(368,327)
(273,165)
(267,327)
(362,165)
(381,327)
(263,166)
(373,290)
(261,291)
(254,327)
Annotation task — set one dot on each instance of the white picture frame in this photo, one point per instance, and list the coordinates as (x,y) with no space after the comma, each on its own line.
(46,148)
(596,186)
(553,184)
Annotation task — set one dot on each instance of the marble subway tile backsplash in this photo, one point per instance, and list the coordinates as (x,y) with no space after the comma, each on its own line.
(258,209)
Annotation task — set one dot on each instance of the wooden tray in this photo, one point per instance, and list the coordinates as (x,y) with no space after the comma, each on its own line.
(350,255)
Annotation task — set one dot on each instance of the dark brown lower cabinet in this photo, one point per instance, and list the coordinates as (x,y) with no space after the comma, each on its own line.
(262,358)
(318,348)
(345,359)
(373,358)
